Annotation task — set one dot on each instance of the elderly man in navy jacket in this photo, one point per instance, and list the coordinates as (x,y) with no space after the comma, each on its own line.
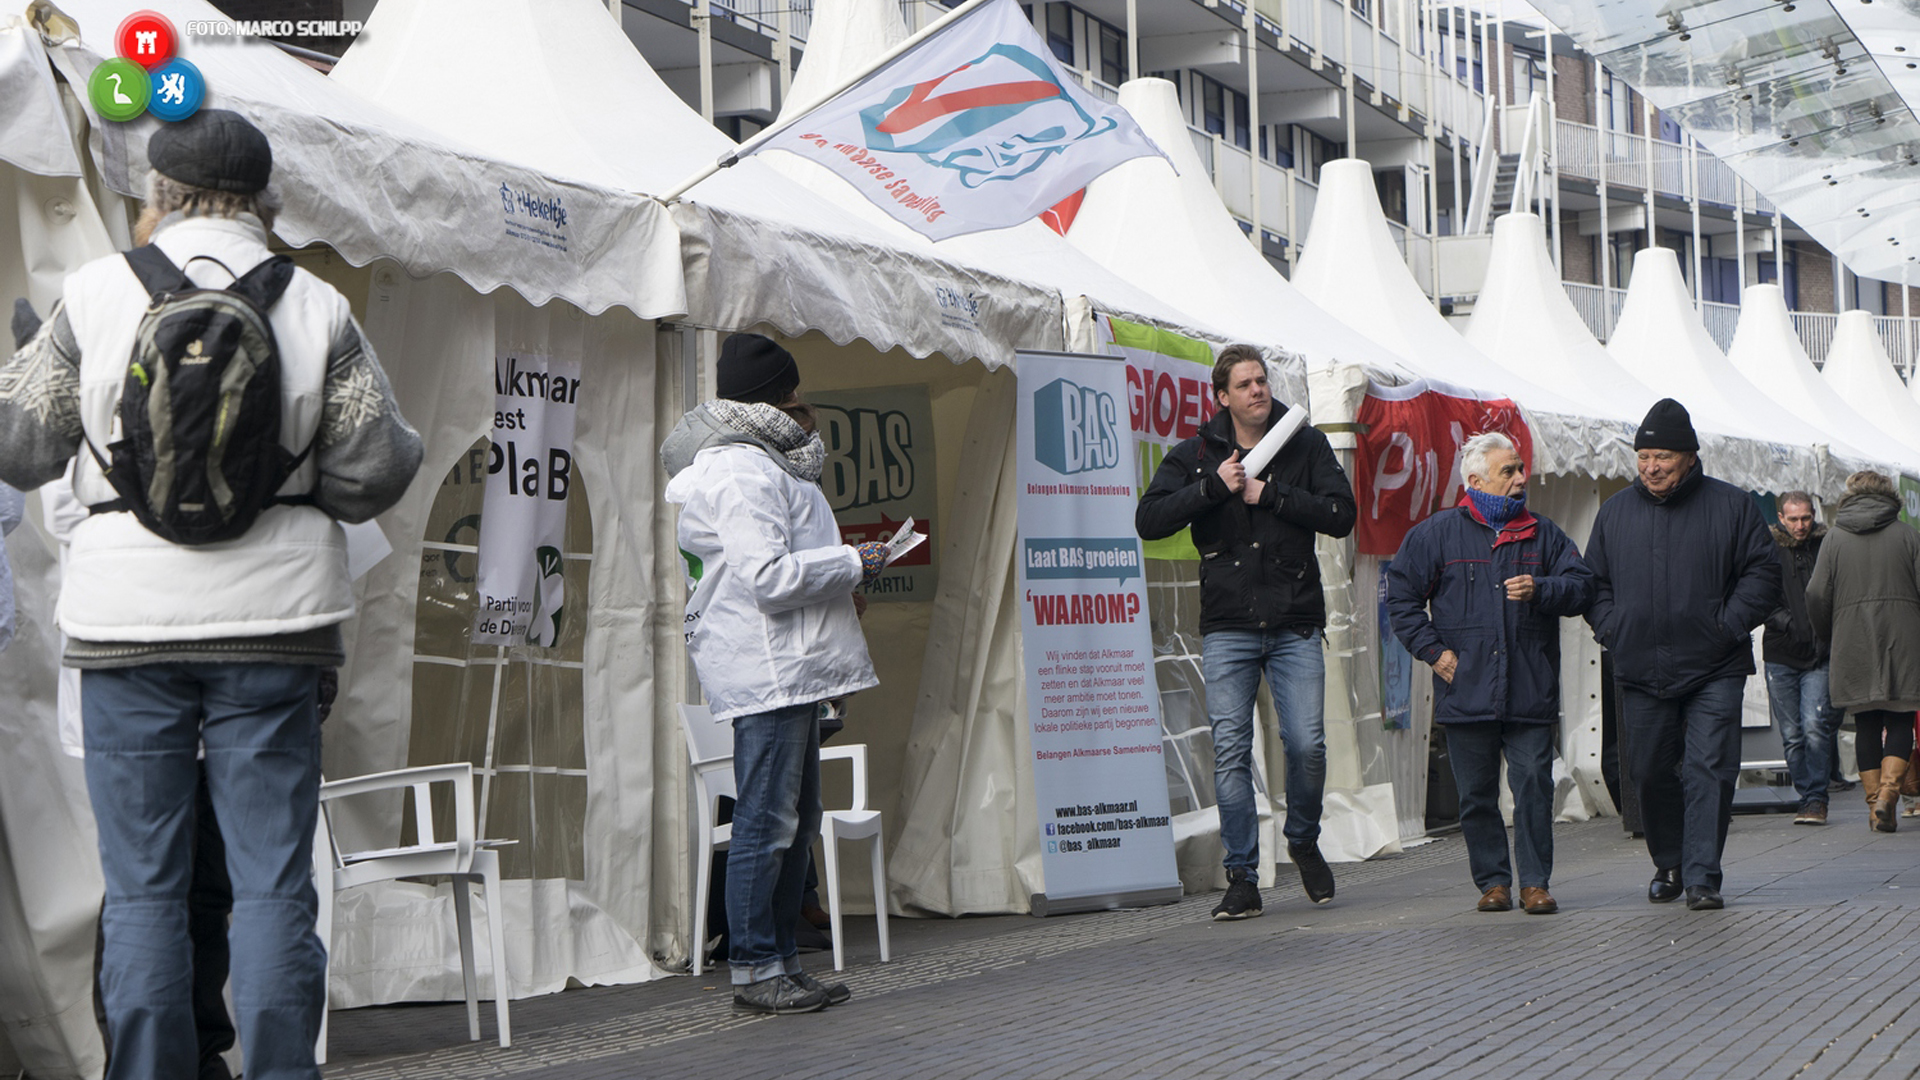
(1477,592)
(1685,571)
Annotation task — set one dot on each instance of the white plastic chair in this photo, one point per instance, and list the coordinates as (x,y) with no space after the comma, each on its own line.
(710,750)
(463,858)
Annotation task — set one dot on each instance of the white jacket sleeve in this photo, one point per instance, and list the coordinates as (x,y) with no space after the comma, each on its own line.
(754,524)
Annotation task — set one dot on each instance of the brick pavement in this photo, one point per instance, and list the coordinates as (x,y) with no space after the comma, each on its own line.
(1805,975)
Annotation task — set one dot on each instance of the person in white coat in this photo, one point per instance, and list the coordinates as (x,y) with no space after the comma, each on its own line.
(773,633)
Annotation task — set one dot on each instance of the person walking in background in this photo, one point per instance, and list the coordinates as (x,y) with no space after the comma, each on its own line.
(1684,570)
(1261,607)
(1477,592)
(773,632)
(1796,660)
(1864,600)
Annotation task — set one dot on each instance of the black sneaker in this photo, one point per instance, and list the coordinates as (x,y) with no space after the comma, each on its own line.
(836,992)
(781,994)
(1242,900)
(1315,876)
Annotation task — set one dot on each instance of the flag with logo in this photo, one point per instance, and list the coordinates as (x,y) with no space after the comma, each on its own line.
(974,128)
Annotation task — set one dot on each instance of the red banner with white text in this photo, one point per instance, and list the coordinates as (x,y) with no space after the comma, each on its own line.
(1407,461)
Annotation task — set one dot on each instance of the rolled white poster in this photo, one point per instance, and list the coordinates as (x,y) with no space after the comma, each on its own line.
(1274,439)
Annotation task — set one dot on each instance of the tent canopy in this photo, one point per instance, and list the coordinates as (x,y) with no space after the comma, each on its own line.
(371,184)
(1858,369)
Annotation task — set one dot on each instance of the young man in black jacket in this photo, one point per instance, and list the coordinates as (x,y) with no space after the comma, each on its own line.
(1684,571)
(1796,660)
(1261,608)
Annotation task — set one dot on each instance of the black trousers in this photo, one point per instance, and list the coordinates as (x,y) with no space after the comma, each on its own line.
(1683,755)
(1880,734)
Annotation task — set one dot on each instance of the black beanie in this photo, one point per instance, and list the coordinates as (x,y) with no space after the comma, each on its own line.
(214,149)
(755,369)
(1667,427)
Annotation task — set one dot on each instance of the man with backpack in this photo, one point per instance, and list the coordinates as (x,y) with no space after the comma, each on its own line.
(227,414)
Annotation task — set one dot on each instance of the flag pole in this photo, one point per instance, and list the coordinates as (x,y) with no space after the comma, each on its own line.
(732,157)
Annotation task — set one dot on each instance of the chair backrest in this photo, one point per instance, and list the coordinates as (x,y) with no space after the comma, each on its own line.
(708,740)
(418,780)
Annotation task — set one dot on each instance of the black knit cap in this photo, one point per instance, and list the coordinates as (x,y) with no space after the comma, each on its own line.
(1667,427)
(755,369)
(216,149)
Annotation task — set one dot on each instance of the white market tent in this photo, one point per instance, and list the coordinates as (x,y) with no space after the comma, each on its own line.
(1858,369)
(1660,339)
(764,250)
(1768,352)
(951,850)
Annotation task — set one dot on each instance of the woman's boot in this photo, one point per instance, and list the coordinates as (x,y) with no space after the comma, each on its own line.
(1870,786)
(1886,808)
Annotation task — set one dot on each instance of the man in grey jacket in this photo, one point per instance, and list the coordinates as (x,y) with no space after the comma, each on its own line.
(221,643)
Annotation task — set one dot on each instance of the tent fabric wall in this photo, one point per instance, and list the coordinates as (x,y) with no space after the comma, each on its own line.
(438,340)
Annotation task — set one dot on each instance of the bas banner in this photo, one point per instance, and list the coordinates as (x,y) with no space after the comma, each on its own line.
(1407,461)
(1093,702)
(523,516)
(880,472)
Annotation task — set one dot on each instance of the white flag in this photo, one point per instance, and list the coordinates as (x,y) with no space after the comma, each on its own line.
(974,128)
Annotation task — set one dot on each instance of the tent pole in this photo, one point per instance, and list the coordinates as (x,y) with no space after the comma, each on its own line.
(732,157)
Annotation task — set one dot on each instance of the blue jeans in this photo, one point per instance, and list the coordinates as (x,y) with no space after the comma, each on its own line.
(776,816)
(1806,723)
(1682,756)
(1231,662)
(1474,750)
(143,729)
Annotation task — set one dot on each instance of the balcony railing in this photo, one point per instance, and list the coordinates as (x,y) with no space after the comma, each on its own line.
(1600,309)
(1589,152)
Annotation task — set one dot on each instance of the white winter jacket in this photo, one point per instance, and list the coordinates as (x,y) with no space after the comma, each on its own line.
(289,572)
(771,622)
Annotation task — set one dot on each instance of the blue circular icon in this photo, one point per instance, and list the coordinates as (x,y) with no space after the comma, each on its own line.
(178,90)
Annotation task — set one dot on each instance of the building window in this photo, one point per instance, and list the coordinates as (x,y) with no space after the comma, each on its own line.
(1529,76)
(1361,8)
(1789,282)
(1113,56)
(1392,188)
(1060,33)
(1223,112)
(1318,152)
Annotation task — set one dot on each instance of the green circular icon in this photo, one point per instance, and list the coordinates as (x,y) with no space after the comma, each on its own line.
(119,89)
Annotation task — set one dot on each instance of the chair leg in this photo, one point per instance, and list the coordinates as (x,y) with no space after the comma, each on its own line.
(830,844)
(463,918)
(323,928)
(497,938)
(702,885)
(880,889)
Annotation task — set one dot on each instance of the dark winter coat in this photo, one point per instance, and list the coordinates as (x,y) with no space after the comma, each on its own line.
(1680,583)
(1257,565)
(1864,599)
(1446,589)
(1789,638)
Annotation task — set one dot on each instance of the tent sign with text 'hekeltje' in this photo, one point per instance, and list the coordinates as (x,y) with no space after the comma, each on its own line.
(973,128)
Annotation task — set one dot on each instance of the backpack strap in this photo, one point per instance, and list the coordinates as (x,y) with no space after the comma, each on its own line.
(264,283)
(156,272)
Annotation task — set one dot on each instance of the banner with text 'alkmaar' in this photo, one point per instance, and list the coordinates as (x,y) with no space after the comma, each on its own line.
(523,516)
(977,127)
(1093,701)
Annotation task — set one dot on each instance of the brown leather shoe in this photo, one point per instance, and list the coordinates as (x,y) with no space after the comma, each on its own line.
(1498,898)
(1537,901)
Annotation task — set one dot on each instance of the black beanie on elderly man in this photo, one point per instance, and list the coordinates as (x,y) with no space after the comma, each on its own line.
(755,369)
(214,149)
(1667,427)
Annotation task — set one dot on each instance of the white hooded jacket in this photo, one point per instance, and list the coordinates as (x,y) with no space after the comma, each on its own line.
(771,622)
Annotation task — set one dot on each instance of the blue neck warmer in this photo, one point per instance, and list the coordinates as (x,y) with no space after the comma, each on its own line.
(1497,509)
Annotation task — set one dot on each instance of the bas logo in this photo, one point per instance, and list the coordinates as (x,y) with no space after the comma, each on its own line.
(998,117)
(1075,429)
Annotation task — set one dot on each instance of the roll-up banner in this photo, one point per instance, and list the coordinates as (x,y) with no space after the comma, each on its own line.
(523,517)
(1093,703)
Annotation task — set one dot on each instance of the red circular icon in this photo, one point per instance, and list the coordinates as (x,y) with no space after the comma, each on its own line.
(146,38)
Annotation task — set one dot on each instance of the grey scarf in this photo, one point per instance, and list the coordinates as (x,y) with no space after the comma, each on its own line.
(719,422)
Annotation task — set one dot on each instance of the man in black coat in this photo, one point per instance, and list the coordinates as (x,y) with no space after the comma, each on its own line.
(1684,571)
(1796,660)
(1261,608)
